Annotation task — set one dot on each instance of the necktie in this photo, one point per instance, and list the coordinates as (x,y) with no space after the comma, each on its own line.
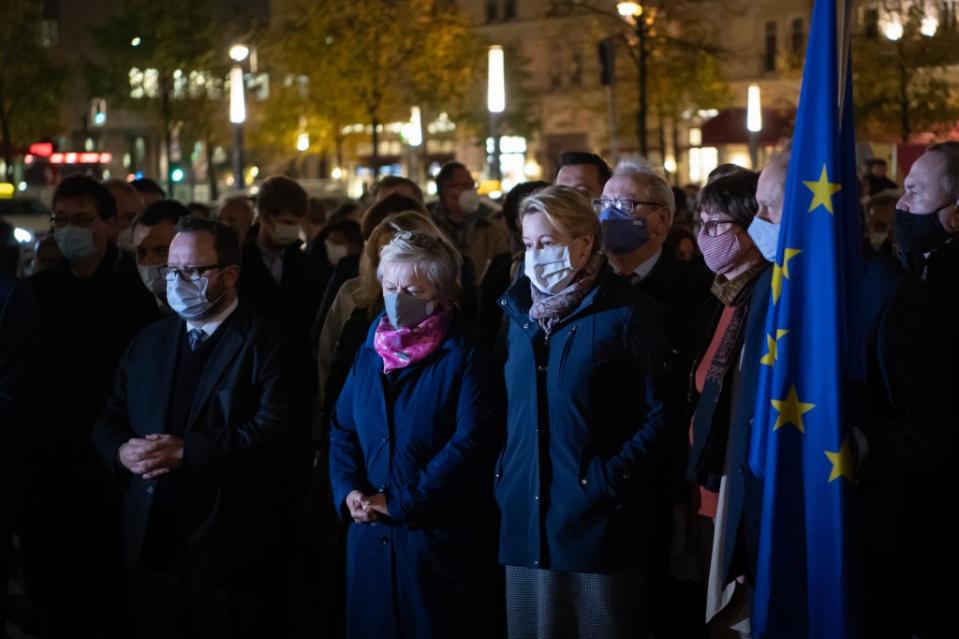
(196,337)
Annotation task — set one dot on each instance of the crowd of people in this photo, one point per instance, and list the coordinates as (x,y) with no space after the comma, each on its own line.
(275,419)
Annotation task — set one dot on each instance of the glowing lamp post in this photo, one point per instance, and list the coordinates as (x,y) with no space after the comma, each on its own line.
(238,53)
(496,102)
(754,123)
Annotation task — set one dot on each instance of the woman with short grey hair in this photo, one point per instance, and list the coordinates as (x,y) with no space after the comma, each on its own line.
(412,444)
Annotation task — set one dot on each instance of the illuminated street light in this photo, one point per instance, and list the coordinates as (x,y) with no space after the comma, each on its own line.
(135,42)
(239,52)
(634,10)
(414,134)
(754,123)
(893,30)
(237,98)
(496,89)
(303,141)
(930,24)
(629,9)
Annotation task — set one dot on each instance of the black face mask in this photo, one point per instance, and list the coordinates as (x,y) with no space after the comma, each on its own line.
(919,233)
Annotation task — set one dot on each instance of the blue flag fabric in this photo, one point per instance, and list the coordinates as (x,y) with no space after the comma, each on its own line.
(807,398)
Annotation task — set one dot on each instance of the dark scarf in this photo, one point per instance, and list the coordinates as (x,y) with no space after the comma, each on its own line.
(711,419)
(548,310)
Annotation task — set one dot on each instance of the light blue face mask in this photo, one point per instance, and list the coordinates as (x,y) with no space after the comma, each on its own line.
(765,236)
(74,242)
(188,298)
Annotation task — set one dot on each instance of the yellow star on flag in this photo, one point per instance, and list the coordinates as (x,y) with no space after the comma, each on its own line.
(780,272)
(770,358)
(822,191)
(791,410)
(843,462)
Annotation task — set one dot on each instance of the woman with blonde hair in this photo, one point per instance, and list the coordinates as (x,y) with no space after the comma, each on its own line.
(575,480)
(412,442)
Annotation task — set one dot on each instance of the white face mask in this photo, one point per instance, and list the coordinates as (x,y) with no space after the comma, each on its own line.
(469,201)
(550,269)
(125,240)
(150,275)
(335,252)
(285,234)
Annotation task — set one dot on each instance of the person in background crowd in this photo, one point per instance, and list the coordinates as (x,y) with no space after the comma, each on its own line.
(197,209)
(505,268)
(875,177)
(412,444)
(682,243)
(348,266)
(727,205)
(204,433)
(152,233)
(88,309)
(586,172)
(237,213)
(313,224)
(17,362)
(472,226)
(724,169)
(683,218)
(926,227)
(343,239)
(586,410)
(279,281)
(348,210)
(149,190)
(391,184)
(129,206)
(880,214)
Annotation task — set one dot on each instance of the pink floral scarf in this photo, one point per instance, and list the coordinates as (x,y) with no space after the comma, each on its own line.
(400,347)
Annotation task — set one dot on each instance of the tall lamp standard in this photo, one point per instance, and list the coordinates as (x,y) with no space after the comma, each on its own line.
(238,53)
(754,123)
(496,102)
(635,11)
(894,30)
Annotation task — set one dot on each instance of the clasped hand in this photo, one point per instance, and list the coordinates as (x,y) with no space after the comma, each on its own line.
(152,456)
(365,509)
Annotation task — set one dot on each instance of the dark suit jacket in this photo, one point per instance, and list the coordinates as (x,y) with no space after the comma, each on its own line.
(17,363)
(246,444)
(294,301)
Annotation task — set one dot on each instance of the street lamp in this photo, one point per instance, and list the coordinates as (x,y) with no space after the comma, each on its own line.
(634,11)
(496,102)
(238,53)
(894,29)
(754,123)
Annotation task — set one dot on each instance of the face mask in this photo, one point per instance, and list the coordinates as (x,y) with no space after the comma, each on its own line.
(720,252)
(335,252)
(919,233)
(125,240)
(188,299)
(75,243)
(765,236)
(469,201)
(150,275)
(549,269)
(622,233)
(877,239)
(285,234)
(405,310)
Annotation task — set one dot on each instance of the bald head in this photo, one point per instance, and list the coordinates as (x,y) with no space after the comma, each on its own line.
(771,189)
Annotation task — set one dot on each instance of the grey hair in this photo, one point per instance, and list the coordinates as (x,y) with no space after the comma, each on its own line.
(429,256)
(950,154)
(639,166)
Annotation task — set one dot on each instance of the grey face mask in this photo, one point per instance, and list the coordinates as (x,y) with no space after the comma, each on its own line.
(74,242)
(405,310)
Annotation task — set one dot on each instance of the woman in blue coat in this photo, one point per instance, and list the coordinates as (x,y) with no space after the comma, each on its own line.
(412,445)
(575,480)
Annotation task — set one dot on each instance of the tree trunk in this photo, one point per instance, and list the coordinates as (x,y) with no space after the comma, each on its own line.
(6,143)
(211,170)
(166,117)
(675,131)
(375,154)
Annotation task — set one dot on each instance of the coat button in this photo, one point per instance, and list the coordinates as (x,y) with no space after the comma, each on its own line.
(502,302)
(583,481)
(526,325)
(384,540)
(541,369)
(536,563)
(497,475)
(536,498)
(386,438)
(626,476)
(382,488)
(149,490)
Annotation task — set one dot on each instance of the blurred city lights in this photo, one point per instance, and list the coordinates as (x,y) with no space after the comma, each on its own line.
(239,52)
(930,25)
(177,174)
(893,30)
(303,142)
(135,42)
(629,9)
(754,112)
(237,101)
(496,90)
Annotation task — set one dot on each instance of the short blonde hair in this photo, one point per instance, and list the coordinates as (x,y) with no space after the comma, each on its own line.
(370,294)
(430,256)
(568,210)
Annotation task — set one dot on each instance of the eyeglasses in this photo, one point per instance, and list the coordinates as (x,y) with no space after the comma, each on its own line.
(79,221)
(625,205)
(186,273)
(715,228)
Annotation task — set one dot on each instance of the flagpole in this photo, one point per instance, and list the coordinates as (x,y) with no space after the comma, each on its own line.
(845,38)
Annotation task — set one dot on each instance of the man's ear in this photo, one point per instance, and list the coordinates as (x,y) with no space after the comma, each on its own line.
(950,219)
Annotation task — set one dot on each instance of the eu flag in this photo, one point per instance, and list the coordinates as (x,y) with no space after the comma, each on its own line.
(807,399)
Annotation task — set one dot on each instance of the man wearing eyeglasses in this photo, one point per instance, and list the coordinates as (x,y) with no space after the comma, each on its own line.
(204,431)
(636,212)
(88,310)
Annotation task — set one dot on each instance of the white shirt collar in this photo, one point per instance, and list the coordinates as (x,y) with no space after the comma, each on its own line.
(644,269)
(210,324)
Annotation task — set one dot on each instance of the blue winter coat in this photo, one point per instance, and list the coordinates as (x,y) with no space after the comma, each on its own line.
(575,480)
(427,436)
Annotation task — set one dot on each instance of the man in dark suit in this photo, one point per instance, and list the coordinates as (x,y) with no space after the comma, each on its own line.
(205,432)
(17,361)
(88,309)
(902,437)
(280,281)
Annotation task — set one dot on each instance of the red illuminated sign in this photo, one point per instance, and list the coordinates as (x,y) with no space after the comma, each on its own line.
(43,149)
